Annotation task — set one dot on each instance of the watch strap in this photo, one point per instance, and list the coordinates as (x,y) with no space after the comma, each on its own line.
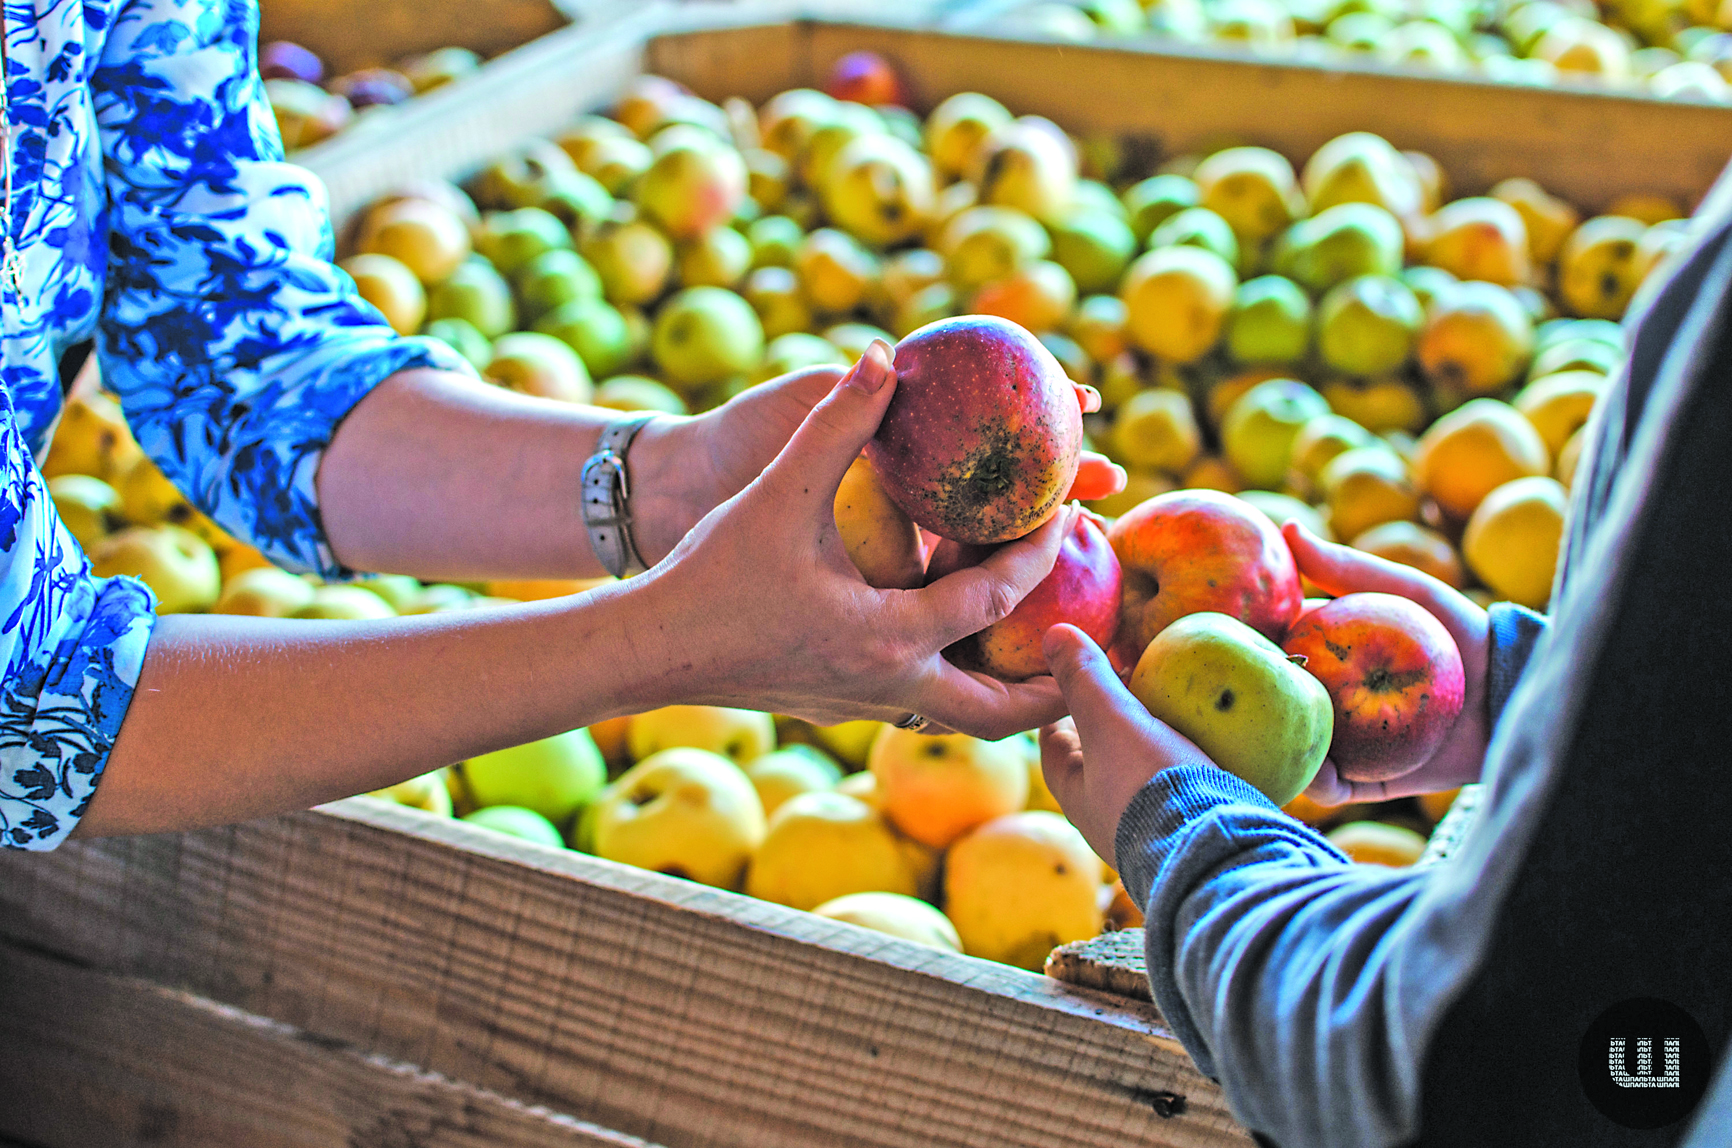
(607,499)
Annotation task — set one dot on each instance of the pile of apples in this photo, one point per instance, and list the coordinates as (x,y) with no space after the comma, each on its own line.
(1675,49)
(311,108)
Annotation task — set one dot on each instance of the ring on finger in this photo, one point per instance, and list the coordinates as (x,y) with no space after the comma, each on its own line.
(913,722)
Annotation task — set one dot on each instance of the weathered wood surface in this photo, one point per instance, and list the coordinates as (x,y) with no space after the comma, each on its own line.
(681,1014)
(379,33)
(1589,146)
(90,1058)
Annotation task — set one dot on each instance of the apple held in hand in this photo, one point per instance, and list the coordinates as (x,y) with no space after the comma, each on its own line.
(1394,676)
(1083,589)
(1194,550)
(1256,713)
(983,437)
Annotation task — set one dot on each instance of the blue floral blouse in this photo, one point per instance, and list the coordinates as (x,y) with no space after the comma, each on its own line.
(153,211)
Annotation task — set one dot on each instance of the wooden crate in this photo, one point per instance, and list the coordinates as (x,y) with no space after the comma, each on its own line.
(371,975)
(353,34)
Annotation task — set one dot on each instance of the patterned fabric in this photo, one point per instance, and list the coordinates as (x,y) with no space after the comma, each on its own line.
(153,210)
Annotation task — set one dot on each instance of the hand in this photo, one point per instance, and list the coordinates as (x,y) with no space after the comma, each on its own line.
(1126,744)
(759,606)
(1344,570)
(682,468)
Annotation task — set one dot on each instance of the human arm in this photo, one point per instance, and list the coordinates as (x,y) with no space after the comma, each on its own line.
(759,606)
(1269,955)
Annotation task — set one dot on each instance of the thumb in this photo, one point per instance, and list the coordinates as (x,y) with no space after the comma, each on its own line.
(811,466)
(1085,676)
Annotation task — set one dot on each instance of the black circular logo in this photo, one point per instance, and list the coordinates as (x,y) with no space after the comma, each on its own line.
(1644,1063)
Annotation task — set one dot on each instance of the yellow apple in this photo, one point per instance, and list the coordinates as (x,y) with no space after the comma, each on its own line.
(264,592)
(789,772)
(1021,885)
(880,538)
(895,914)
(740,736)
(819,846)
(92,438)
(179,567)
(427,791)
(554,776)
(936,788)
(685,812)
(346,603)
(86,505)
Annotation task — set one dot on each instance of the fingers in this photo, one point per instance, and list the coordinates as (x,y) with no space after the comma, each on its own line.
(985,707)
(1342,570)
(972,599)
(833,434)
(1091,686)
(1096,477)
(1327,788)
(1087,397)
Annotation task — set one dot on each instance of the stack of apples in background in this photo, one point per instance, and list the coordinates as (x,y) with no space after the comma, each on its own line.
(1674,49)
(311,107)
(1342,345)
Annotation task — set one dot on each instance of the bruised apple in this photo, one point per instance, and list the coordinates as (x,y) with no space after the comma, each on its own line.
(982,439)
(1083,589)
(1394,676)
(1189,551)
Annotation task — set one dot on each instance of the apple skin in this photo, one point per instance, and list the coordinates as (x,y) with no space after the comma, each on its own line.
(1189,551)
(1083,589)
(1394,676)
(982,439)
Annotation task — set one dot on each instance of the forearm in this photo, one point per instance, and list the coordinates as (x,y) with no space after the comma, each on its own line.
(1271,958)
(236,718)
(440,476)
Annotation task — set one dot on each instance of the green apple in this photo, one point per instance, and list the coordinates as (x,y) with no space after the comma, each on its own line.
(787,772)
(345,603)
(738,735)
(637,393)
(553,279)
(521,178)
(1156,199)
(1367,325)
(264,592)
(397,590)
(1284,508)
(477,294)
(1427,283)
(533,363)
(774,240)
(1156,429)
(850,741)
(633,260)
(720,257)
(576,200)
(1362,168)
(795,351)
(1255,712)
(554,776)
(984,244)
(1270,321)
(1320,440)
(685,812)
(928,305)
(1259,428)
(705,334)
(1095,247)
(1197,227)
(595,330)
(775,294)
(1336,245)
(427,791)
(616,162)
(179,567)
(86,505)
(461,336)
(848,122)
(516,821)
(511,239)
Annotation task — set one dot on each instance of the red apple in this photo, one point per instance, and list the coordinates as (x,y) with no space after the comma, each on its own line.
(1188,551)
(865,78)
(1307,606)
(1394,675)
(982,439)
(1083,589)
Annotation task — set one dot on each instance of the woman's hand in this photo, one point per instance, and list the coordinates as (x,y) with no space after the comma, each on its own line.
(1126,744)
(1344,570)
(684,468)
(759,606)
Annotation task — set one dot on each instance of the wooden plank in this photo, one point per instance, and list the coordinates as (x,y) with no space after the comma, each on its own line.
(379,33)
(671,1011)
(1589,146)
(91,1058)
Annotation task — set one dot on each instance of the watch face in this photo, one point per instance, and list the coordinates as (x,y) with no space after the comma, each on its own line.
(1644,1063)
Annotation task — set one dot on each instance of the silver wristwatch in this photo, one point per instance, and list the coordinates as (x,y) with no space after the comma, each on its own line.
(607,499)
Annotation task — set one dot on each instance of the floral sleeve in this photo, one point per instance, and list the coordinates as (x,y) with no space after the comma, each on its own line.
(234,344)
(72,645)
